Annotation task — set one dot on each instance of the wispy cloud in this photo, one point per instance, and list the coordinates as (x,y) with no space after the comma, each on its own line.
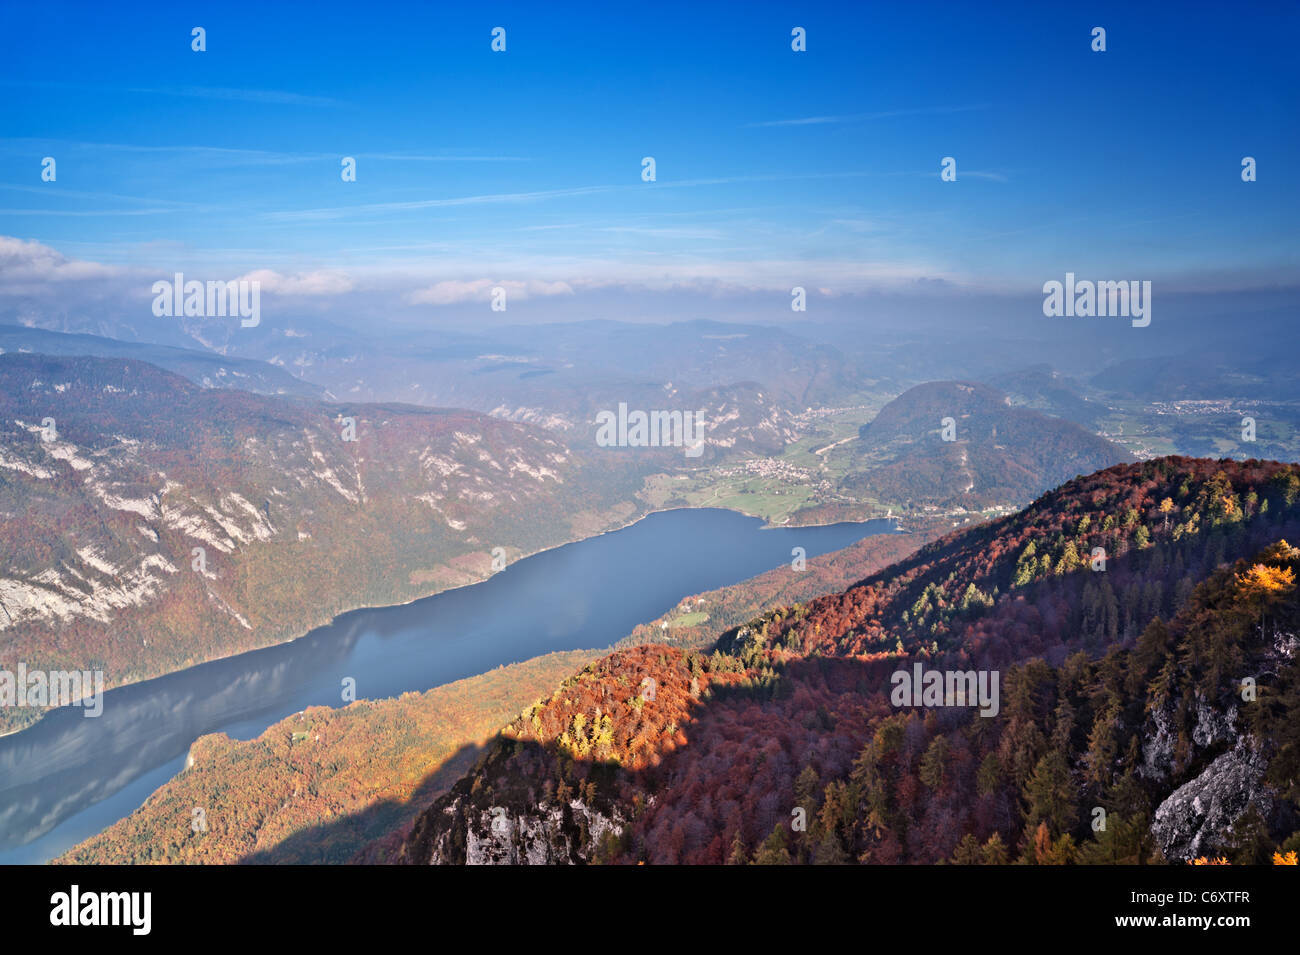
(151,207)
(541,195)
(867,117)
(85,212)
(337,212)
(64,192)
(668,233)
(270,97)
(26,261)
(983,174)
(399,157)
(317,282)
(228,156)
(455,291)
(273,97)
(212,155)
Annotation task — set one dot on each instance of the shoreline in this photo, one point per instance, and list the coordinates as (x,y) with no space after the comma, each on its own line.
(741,523)
(361,608)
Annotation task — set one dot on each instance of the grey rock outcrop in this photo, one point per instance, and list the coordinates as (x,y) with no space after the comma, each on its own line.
(1197,816)
(1213,726)
(542,834)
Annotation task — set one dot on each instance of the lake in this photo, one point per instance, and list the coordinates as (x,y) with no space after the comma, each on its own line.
(69,777)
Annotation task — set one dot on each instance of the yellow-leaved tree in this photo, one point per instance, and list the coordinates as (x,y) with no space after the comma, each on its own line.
(1264,585)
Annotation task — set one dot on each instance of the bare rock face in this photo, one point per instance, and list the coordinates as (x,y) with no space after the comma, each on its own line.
(1213,726)
(547,833)
(538,836)
(1198,816)
(1158,745)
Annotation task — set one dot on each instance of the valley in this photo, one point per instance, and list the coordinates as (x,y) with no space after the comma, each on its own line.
(160,525)
(438,494)
(575,596)
(170,538)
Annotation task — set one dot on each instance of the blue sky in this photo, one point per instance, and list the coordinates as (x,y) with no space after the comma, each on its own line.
(774,167)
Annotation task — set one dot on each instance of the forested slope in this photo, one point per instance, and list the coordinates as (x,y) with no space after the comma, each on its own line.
(1121,691)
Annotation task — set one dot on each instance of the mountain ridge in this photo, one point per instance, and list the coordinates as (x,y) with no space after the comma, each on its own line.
(203,521)
(790,711)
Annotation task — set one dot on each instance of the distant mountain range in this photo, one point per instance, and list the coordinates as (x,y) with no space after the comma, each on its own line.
(1042,389)
(1272,376)
(205,368)
(561,375)
(555,367)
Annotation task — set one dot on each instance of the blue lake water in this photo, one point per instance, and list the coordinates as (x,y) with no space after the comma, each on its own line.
(69,777)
